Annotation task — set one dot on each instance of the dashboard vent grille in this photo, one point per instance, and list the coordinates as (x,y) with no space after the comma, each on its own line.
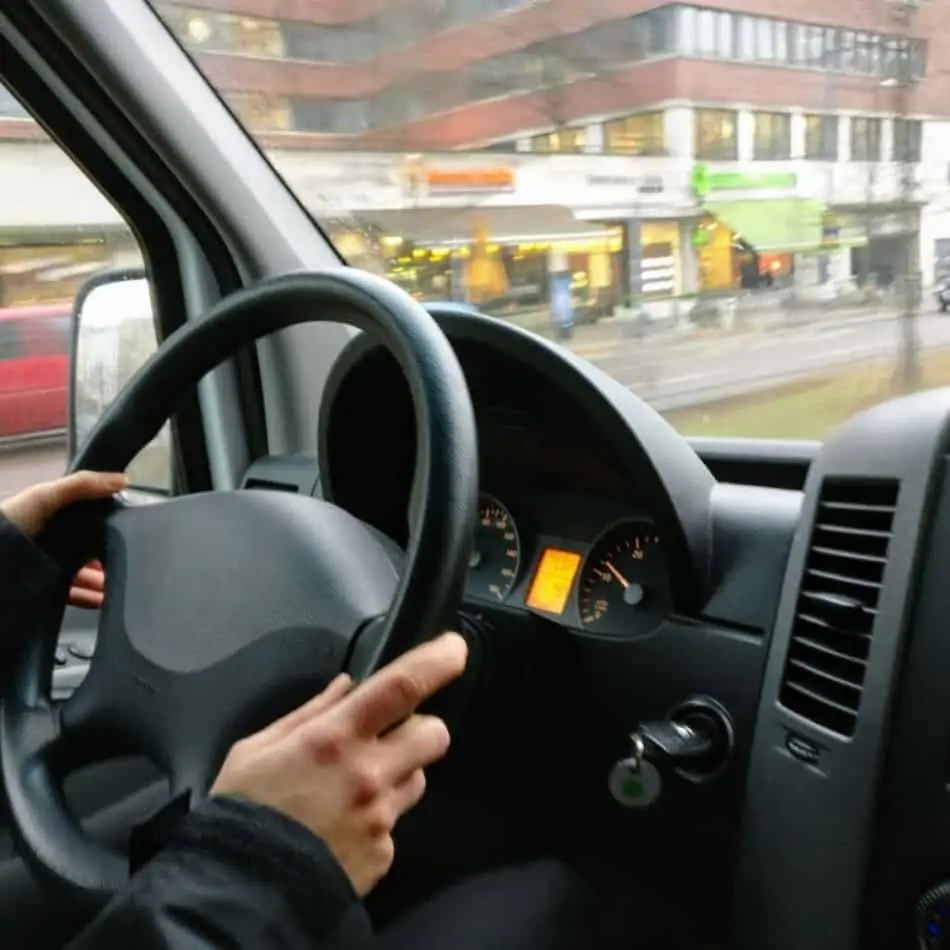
(272,486)
(838,602)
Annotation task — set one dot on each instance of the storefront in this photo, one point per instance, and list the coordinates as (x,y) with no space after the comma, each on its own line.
(751,244)
(750,233)
(881,243)
(503,259)
(51,265)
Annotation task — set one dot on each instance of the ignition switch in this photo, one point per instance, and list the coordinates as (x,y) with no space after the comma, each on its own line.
(696,741)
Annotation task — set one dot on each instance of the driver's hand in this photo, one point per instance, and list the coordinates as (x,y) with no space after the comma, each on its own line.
(349,763)
(31,509)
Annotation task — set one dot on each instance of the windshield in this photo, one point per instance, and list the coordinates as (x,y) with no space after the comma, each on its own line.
(743,218)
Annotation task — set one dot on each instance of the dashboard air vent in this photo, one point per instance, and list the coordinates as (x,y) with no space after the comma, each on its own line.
(838,601)
(272,486)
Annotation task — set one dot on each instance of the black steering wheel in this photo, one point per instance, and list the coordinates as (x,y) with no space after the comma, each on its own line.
(225,609)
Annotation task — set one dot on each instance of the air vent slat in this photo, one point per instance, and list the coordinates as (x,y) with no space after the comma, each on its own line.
(808,645)
(838,602)
(842,578)
(836,682)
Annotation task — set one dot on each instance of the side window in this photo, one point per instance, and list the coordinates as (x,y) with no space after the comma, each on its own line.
(56,232)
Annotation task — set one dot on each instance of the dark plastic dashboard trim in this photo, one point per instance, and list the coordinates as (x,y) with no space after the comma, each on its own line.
(679,487)
(752,451)
(806,822)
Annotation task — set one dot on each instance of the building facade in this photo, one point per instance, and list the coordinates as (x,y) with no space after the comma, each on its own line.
(638,147)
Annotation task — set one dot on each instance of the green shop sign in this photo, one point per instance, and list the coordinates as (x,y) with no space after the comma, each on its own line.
(701,236)
(703,181)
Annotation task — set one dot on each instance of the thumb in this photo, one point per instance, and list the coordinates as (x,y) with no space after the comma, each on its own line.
(80,486)
(31,509)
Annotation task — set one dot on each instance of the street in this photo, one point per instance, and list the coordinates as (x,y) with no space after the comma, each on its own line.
(669,370)
(712,365)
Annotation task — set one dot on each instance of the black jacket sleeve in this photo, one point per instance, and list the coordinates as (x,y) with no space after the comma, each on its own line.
(233,875)
(28,577)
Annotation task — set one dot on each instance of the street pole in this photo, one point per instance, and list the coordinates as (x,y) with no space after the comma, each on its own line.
(908,376)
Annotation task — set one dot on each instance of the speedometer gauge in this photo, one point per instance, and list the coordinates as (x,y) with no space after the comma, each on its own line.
(624,586)
(496,555)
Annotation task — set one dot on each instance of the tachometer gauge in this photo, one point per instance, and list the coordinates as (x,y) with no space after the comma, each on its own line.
(496,556)
(624,586)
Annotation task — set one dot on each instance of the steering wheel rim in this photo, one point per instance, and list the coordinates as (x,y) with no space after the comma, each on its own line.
(36,735)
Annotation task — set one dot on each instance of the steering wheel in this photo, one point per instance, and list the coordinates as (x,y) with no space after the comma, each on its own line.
(225,609)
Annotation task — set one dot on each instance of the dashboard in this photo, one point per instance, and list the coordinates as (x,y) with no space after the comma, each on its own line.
(548,559)
(561,532)
(814,616)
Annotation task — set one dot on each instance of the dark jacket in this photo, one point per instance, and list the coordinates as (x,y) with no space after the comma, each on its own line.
(229,875)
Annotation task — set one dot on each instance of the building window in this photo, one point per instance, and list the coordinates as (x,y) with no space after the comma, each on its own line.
(635,135)
(773,136)
(561,141)
(330,115)
(219,32)
(765,40)
(715,135)
(908,136)
(865,139)
(661,27)
(714,34)
(782,41)
(745,37)
(821,138)
(704,32)
(317,42)
(260,112)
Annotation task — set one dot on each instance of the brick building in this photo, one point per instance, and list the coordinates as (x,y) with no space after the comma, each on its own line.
(815,141)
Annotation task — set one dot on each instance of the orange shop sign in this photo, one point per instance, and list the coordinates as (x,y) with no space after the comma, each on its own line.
(460,180)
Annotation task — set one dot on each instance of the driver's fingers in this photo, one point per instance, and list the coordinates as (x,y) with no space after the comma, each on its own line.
(393,693)
(409,792)
(282,727)
(90,578)
(83,597)
(413,745)
(80,486)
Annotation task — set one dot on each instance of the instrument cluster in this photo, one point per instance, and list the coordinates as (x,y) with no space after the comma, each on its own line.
(561,562)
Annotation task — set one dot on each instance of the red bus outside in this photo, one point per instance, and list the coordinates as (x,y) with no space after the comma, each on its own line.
(34,369)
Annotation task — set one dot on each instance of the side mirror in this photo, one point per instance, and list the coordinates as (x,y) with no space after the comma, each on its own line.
(113,335)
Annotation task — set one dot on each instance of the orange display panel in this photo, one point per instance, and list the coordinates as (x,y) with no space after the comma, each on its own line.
(552,580)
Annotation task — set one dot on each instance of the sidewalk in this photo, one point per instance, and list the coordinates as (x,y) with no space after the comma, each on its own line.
(611,330)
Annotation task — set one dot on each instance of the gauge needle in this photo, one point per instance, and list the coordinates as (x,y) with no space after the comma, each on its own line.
(623,580)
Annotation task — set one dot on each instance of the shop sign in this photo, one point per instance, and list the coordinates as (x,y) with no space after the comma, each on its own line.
(418,178)
(644,184)
(703,181)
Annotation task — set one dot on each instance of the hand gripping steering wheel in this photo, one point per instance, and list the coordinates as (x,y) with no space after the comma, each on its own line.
(225,609)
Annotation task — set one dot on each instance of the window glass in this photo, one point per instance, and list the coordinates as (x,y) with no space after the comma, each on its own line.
(821,137)
(745,38)
(52,240)
(908,140)
(261,112)
(773,136)
(220,31)
(465,127)
(716,137)
(561,140)
(635,134)
(765,40)
(865,139)
(706,33)
(686,28)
